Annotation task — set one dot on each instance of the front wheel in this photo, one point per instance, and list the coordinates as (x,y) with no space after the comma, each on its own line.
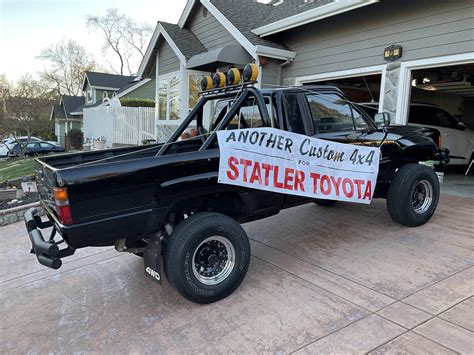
(207,257)
(413,195)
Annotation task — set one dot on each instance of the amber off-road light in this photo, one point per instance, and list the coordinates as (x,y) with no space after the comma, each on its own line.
(219,80)
(233,76)
(250,72)
(206,83)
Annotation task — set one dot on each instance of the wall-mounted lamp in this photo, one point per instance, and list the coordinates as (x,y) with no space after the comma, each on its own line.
(393,52)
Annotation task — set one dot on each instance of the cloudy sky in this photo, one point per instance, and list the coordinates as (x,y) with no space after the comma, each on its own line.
(28,26)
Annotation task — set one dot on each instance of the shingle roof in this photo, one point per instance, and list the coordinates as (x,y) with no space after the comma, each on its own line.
(185,40)
(72,103)
(58,111)
(248,15)
(292,7)
(106,80)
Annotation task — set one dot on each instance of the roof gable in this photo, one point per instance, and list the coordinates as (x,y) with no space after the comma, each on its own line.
(107,81)
(247,15)
(71,104)
(186,41)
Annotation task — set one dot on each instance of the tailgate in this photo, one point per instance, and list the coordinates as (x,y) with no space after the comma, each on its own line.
(45,177)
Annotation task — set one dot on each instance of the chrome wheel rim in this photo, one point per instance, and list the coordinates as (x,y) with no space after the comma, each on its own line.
(422,196)
(213,260)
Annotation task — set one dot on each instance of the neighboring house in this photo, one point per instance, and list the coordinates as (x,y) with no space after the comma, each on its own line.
(67,115)
(299,42)
(117,125)
(100,85)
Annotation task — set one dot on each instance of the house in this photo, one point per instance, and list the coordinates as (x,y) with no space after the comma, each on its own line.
(106,119)
(67,115)
(100,85)
(392,52)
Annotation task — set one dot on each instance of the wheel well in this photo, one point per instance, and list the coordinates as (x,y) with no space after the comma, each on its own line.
(230,204)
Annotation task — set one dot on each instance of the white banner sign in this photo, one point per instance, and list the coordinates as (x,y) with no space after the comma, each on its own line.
(274,160)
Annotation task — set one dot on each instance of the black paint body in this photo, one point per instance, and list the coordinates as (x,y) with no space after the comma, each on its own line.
(132,196)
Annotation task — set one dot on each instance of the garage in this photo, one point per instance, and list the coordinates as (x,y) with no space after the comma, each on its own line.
(443,97)
(360,89)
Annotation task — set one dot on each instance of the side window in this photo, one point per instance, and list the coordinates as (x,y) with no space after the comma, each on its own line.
(294,117)
(445,119)
(331,113)
(32,145)
(422,115)
(45,145)
(359,121)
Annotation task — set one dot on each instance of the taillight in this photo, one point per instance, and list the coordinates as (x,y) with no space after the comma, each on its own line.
(62,205)
(440,141)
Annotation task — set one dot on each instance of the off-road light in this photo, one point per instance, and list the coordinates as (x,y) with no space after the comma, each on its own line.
(233,76)
(219,80)
(206,83)
(251,72)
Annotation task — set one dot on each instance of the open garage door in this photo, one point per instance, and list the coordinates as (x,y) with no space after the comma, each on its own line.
(443,97)
(359,89)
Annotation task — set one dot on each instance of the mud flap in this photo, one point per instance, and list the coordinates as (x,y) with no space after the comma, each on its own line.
(152,258)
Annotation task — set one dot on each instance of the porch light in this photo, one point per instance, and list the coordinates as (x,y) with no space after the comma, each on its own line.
(393,52)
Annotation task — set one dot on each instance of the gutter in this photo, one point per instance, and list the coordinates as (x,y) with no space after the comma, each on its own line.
(280,68)
(312,15)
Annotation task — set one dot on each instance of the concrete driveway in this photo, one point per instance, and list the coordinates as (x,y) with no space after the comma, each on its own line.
(344,279)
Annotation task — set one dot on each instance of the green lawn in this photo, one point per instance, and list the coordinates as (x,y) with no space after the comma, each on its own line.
(15,168)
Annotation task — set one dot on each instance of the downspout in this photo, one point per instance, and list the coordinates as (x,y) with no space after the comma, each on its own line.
(280,67)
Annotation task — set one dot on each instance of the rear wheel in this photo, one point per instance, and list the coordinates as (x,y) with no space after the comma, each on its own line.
(413,195)
(207,257)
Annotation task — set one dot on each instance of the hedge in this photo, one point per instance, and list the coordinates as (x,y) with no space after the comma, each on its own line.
(137,102)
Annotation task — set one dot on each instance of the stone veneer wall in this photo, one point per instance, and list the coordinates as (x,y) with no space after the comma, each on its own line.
(391,89)
(15,214)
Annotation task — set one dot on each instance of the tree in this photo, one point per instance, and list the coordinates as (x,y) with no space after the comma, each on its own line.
(68,62)
(26,110)
(126,38)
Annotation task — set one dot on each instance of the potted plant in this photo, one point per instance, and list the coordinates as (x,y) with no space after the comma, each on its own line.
(99,143)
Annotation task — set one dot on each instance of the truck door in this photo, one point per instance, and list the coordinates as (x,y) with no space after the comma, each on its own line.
(296,120)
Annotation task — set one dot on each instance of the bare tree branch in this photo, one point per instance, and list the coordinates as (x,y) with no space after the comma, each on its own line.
(68,62)
(123,36)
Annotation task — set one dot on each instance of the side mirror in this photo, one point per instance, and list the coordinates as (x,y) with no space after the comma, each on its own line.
(461,126)
(382,119)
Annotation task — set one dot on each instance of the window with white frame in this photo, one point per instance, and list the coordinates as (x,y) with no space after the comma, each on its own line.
(194,82)
(168,97)
(89,95)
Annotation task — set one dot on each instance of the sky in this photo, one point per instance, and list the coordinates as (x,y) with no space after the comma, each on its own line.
(28,26)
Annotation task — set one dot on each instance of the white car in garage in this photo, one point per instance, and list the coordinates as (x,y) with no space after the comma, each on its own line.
(454,134)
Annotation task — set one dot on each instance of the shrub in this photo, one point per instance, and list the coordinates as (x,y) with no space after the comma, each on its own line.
(137,102)
(74,139)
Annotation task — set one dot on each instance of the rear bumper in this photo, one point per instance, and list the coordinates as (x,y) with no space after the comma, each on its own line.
(47,252)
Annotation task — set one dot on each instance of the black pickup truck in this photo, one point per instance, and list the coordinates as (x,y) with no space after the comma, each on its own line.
(163,201)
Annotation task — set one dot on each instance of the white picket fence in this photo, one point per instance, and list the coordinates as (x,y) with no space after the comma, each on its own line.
(120,125)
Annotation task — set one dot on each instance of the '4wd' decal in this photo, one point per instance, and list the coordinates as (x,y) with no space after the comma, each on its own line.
(153,273)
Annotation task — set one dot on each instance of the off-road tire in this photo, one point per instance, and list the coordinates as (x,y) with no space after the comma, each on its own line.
(400,197)
(181,248)
(325,203)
